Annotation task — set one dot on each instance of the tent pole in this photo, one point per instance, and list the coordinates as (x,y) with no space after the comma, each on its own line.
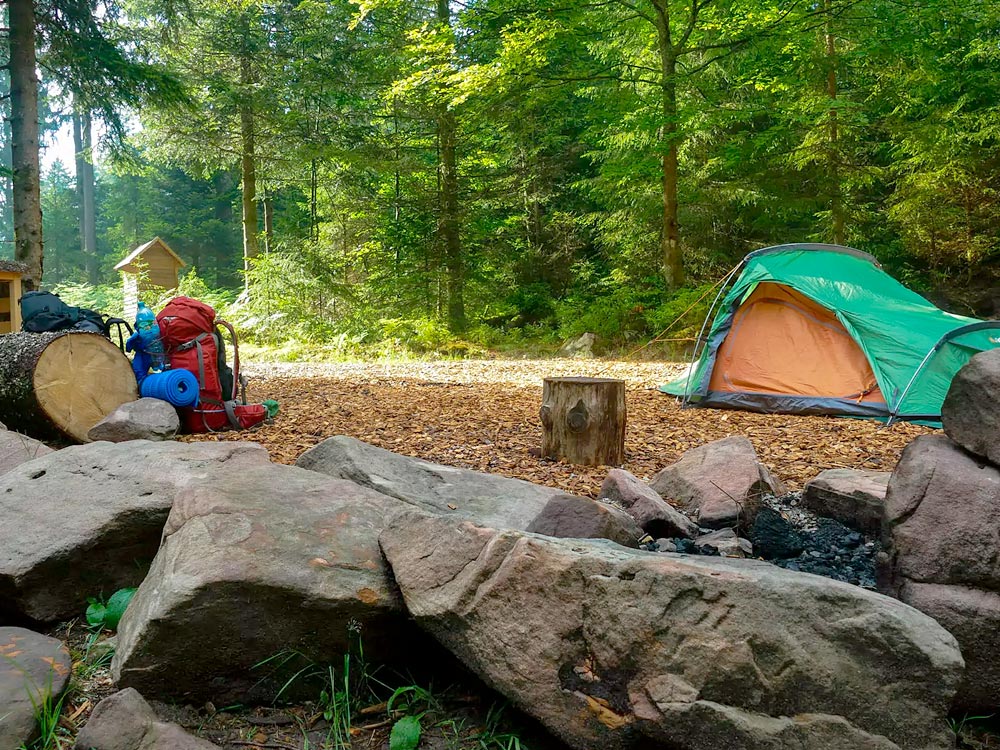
(895,412)
(694,353)
(950,335)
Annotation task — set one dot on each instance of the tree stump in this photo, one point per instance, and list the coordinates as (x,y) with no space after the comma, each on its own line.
(58,385)
(583,420)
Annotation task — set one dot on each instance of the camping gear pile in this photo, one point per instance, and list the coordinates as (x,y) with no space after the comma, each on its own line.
(209,394)
(822,329)
(62,374)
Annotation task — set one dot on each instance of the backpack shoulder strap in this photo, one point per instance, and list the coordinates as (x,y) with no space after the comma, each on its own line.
(195,343)
(237,377)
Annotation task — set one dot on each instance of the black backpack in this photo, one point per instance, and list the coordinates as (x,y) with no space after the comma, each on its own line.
(44,311)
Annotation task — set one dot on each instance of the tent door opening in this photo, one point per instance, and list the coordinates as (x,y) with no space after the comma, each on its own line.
(782,342)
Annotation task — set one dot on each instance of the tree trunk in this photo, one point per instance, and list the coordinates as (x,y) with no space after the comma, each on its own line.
(583,420)
(7,210)
(833,158)
(313,201)
(268,222)
(59,385)
(448,227)
(248,172)
(670,239)
(397,207)
(24,140)
(223,184)
(83,144)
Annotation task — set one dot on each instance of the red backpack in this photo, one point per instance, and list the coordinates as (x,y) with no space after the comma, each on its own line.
(192,341)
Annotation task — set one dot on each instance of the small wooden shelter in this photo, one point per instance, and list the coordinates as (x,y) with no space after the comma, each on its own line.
(10,292)
(152,267)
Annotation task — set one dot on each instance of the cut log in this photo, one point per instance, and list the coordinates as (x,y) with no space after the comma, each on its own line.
(583,420)
(59,385)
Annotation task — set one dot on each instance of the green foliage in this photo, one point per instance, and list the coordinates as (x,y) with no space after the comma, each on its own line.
(679,319)
(351,690)
(420,335)
(342,689)
(495,736)
(960,726)
(631,315)
(116,606)
(102,615)
(96,612)
(405,734)
(91,660)
(46,709)
(412,700)
(107,299)
(63,257)
(292,299)
(336,701)
(192,285)
(792,121)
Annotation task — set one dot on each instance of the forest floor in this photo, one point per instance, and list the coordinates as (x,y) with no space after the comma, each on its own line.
(483,414)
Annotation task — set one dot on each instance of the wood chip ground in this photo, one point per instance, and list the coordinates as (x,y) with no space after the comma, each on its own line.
(484,415)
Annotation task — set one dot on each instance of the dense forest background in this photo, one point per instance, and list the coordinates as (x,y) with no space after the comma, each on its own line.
(505,170)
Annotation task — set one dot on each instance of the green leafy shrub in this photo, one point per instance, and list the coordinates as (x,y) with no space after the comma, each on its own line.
(418,334)
(405,734)
(192,285)
(682,315)
(108,614)
(627,317)
(107,298)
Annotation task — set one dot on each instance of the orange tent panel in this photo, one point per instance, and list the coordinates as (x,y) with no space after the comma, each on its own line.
(782,342)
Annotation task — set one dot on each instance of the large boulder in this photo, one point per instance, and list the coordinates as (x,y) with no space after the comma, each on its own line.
(16,449)
(720,482)
(941,537)
(488,499)
(618,649)
(970,413)
(571,517)
(34,671)
(124,721)
(973,617)
(943,516)
(656,517)
(272,562)
(145,419)
(87,519)
(854,497)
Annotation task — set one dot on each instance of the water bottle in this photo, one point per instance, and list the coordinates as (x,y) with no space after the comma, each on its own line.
(146,325)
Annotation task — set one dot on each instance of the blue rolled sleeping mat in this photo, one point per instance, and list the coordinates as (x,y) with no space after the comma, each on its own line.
(177,387)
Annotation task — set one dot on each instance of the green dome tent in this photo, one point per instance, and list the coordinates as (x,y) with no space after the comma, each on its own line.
(822,329)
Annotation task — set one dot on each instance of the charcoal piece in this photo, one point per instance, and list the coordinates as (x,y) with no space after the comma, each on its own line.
(773,537)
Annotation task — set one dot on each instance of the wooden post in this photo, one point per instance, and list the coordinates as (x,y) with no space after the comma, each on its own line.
(583,420)
(15,308)
(8,300)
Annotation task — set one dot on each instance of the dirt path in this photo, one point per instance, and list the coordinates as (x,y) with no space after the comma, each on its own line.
(484,415)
